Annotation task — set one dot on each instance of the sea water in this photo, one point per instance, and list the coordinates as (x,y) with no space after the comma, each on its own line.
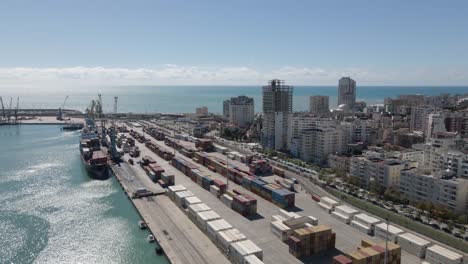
(52,212)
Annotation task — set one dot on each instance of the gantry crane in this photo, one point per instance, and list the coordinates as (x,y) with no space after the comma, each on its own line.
(60,110)
(3,107)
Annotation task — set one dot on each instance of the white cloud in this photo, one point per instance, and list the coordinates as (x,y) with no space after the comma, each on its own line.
(185,75)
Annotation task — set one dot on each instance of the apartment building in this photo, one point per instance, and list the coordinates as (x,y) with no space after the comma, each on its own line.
(440,188)
(386,172)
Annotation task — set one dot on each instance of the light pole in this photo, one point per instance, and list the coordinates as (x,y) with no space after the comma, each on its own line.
(386,241)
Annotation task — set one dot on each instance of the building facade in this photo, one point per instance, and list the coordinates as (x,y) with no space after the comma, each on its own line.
(277,109)
(385,172)
(346,92)
(226,108)
(201,110)
(419,117)
(444,190)
(319,104)
(241,111)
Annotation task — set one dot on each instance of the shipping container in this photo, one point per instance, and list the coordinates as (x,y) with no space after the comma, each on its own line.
(179,198)
(239,250)
(344,213)
(227,237)
(214,227)
(393,232)
(195,208)
(438,255)
(413,244)
(252,259)
(205,217)
(365,223)
(171,190)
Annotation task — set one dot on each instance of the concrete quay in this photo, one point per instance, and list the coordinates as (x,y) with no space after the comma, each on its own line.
(180,239)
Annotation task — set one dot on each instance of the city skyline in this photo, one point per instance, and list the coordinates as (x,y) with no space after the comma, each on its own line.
(75,45)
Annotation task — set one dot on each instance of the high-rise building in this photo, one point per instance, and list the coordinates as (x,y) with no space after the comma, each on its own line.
(226,108)
(241,111)
(419,117)
(319,104)
(277,108)
(346,92)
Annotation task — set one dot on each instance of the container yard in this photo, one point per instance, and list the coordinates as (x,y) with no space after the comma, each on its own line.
(257,229)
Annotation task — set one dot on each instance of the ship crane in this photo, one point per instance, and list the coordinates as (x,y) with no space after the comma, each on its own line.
(3,107)
(60,110)
(16,110)
(9,109)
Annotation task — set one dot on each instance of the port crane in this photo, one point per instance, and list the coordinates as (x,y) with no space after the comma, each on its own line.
(3,107)
(9,109)
(16,110)
(60,110)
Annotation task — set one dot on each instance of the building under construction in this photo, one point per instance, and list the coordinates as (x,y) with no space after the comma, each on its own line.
(277,109)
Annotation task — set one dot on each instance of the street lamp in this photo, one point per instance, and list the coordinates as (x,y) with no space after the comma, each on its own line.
(386,241)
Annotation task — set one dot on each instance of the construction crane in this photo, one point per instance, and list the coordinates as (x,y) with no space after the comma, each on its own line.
(3,107)
(60,110)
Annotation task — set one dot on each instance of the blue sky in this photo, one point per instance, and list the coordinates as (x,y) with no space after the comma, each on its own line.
(233,42)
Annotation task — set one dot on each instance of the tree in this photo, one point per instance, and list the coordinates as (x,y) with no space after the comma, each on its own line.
(462,219)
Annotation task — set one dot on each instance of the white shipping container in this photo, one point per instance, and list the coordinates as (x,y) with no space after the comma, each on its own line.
(330,202)
(206,216)
(296,223)
(277,218)
(226,237)
(227,200)
(346,210)
(343,218)
(180,197)
(252,259)
(413,244)
(367,220)
(171,190)
(191,200)
(288,215)
(281,230)
(361,227)
(438,255)
(239,250)
(393,232)
(216,226)
(195,208)
(325,206)
(214,190)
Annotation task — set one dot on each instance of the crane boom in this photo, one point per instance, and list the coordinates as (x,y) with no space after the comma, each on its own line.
(3,107)
(16,110)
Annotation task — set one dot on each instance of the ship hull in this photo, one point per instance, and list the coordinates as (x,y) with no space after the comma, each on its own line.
(97,172)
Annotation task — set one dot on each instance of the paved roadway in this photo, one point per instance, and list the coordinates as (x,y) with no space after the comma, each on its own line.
(258,230)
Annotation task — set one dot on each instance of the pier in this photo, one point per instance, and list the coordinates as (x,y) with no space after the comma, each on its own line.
(179,237)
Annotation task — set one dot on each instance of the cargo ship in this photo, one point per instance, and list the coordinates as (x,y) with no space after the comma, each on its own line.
(73,126)
(93,157)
